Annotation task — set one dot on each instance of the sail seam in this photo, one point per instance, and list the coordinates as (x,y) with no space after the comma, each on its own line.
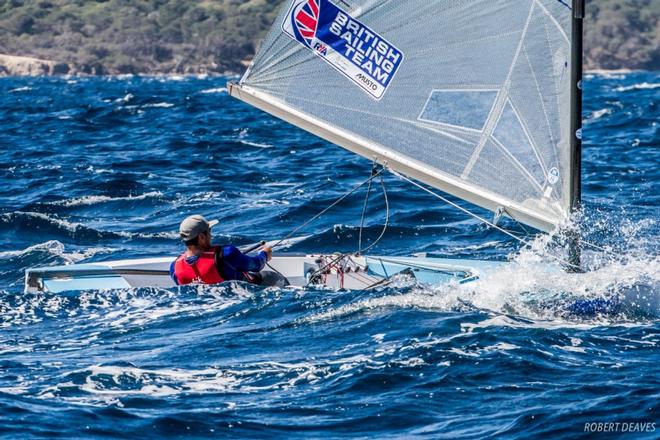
(518,165)
(541,98)
(438,131)
(555,83)
(554,20)
(498,105)
(523,125)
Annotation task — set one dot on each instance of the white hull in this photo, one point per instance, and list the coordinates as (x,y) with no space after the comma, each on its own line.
(353,273)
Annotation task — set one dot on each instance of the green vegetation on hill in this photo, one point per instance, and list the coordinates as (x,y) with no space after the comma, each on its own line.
(131,36)
(179,36)
(623,34)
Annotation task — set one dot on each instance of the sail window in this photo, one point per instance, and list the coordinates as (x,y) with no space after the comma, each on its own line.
(467,109)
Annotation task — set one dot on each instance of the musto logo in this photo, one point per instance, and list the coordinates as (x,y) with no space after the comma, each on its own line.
(352,48)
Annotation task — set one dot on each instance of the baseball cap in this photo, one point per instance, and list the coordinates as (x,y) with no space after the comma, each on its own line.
(194,225)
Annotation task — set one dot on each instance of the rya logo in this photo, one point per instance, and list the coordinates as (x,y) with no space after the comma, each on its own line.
(321,48)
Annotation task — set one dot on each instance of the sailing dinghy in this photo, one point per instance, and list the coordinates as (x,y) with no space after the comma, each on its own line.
(479,99)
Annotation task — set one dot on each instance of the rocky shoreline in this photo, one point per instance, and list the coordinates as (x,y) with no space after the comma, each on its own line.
(13,65)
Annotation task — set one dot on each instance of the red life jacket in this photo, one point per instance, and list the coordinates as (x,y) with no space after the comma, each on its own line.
(202,271)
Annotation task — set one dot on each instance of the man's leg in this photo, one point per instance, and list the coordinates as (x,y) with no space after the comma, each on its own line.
(270,278)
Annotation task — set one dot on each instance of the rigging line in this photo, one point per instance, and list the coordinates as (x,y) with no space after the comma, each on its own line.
(364,211)
(583,242)
(387,216)
(521,224)
(340,257)
(491,224)
(460,208)
(335,203)
(600,248)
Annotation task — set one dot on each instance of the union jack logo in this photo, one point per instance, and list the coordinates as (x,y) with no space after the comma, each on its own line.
(306,19)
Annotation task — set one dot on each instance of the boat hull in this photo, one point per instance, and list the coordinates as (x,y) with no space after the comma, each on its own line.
(355,272)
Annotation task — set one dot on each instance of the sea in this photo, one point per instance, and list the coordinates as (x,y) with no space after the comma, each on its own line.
(103,168)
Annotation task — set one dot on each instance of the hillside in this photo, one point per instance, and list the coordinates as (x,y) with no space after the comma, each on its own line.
(622,34)
(178,36)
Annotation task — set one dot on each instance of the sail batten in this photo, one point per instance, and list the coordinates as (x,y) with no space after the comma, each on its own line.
(471,97)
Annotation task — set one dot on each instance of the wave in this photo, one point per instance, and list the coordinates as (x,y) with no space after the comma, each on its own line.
(243,133)
(526,297)
(214,90)
(56,249)
(595,115)
(309,361)
(255,144)
(262,203)
(42,222)
(21,89)
(37,220)
(158,105)
(104,384)
(94,200)
(619,74)
(641,86)
(621,285)
(125,99)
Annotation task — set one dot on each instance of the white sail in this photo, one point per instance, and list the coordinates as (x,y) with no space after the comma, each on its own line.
(469,96)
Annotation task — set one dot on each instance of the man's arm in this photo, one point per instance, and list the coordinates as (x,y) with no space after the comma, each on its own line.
(173,274)
(244,263)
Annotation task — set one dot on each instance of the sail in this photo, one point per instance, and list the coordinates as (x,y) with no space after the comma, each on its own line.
(469,96)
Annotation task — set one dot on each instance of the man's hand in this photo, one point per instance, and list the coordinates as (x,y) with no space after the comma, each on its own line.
(269,252)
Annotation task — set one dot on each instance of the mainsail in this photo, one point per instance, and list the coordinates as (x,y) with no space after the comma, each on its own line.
(469,96)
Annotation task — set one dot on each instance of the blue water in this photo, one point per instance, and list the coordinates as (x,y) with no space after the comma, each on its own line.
(95,169)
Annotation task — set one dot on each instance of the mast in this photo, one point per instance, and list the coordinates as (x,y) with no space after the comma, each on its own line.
(576,128)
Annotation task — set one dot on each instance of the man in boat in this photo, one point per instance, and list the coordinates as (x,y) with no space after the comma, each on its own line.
(203,263)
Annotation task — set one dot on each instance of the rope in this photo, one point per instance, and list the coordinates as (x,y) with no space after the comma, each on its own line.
(478,217)
(387,217)
(599,248)
(364,211)
(335,203)
(460,208)
(374,173)
(582,241)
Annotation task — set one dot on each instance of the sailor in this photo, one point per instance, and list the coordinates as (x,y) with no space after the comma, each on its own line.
(203,263)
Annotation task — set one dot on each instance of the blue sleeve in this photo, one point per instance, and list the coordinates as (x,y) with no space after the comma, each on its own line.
(242,262)
(172,274)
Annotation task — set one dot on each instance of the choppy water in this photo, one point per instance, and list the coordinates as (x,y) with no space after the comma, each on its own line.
(101,168)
